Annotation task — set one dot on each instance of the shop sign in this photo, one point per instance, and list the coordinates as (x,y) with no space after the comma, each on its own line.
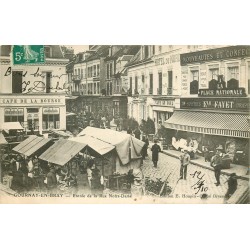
(223,92)
(215,54)
(13,112)
(51,111)
(29,100)
(167,60)
(240,104)
(32,116)
(203,78)
(169,103)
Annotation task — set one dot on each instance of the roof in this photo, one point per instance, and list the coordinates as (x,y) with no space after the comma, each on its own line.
(123,142)
(31,145)
(62,152)
(10,126)
(97,145)
(61,133)
(136,59)
(226,124)
(124,50)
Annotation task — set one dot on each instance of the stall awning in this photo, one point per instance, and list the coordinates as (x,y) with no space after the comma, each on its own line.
(62,152)
(97,145)
(31,145)
(61,133)
(233,125)
(2,139)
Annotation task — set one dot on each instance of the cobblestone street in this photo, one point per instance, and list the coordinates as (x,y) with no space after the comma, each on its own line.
(190,190)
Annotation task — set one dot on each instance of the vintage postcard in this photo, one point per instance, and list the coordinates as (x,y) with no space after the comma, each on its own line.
(124,124)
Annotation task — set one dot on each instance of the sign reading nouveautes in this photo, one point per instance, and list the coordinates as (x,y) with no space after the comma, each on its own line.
(215,54)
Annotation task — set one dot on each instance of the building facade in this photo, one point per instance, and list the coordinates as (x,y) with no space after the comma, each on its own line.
(214,103)
(34,94)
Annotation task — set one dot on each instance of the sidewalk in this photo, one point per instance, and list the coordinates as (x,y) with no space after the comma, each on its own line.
(199,161)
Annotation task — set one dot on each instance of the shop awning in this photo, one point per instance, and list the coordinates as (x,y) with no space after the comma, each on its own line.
(6,126)
(233,125)
(70,114)
(31,145)
(97,145)
(62,152)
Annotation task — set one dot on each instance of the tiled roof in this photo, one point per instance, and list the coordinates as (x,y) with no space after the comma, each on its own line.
(125,50)
(137,59)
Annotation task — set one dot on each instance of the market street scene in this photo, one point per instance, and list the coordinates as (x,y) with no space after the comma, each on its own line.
(134,123)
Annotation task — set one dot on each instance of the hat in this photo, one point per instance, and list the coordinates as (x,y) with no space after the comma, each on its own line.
(219,148)
(155,141)
(233,174)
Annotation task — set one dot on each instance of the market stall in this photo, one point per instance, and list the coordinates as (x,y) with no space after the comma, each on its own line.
(33,145)
(122,152)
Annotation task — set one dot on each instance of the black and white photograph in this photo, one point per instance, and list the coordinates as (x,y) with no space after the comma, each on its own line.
(125,124)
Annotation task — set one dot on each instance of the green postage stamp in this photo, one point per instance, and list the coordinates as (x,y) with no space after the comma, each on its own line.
(28,54)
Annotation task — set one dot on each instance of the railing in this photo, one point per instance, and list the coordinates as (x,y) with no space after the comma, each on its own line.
(77,77)
(169,91)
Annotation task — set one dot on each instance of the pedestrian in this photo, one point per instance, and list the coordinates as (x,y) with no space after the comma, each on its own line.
(216,163)
(155,153)
(232,185)
(185,160)
(144,148)
(129,131)
(51,179)
(137,133)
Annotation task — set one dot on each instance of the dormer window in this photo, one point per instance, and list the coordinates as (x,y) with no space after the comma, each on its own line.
(48,51)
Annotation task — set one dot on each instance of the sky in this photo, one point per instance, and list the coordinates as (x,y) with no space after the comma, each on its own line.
(79,48)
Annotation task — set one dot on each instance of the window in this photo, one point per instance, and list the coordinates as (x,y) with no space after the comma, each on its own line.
(98,87)
(194,85)
(159,49)
(146,52)
(81,73)
(51,121)
(170,82)
(95,88)
(111,69)
(48,51)
(75,71)
(17,80)
(213,74)
(160,83)
(136,85)
(48,81)
(153,49)
(94,70)
(107,71)
(150,84)
(233,73)
(13,115)
(98,69)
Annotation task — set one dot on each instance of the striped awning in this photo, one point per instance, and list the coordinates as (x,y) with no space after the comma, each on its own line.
(233,125)
(62,152)
(31,145)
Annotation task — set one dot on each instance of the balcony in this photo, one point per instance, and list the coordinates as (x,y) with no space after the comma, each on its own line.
(169,91)
(76,78)
(159,91)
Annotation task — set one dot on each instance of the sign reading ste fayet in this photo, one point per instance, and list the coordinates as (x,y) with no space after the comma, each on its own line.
(28,54)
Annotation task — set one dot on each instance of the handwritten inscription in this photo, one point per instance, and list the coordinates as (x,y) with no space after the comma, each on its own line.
(39,85)
(199,186)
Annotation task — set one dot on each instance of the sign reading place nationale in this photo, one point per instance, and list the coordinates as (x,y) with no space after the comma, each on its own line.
(28,54)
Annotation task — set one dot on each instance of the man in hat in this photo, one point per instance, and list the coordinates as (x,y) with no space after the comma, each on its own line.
(51,178)
(232,185)
(155,153)
(185,159)
(216,163)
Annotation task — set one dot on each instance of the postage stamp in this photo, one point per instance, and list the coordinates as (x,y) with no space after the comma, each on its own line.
(28,54)
(124,124)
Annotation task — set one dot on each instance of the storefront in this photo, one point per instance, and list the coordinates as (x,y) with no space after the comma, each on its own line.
(163,108)
(213,121)
(36,113)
